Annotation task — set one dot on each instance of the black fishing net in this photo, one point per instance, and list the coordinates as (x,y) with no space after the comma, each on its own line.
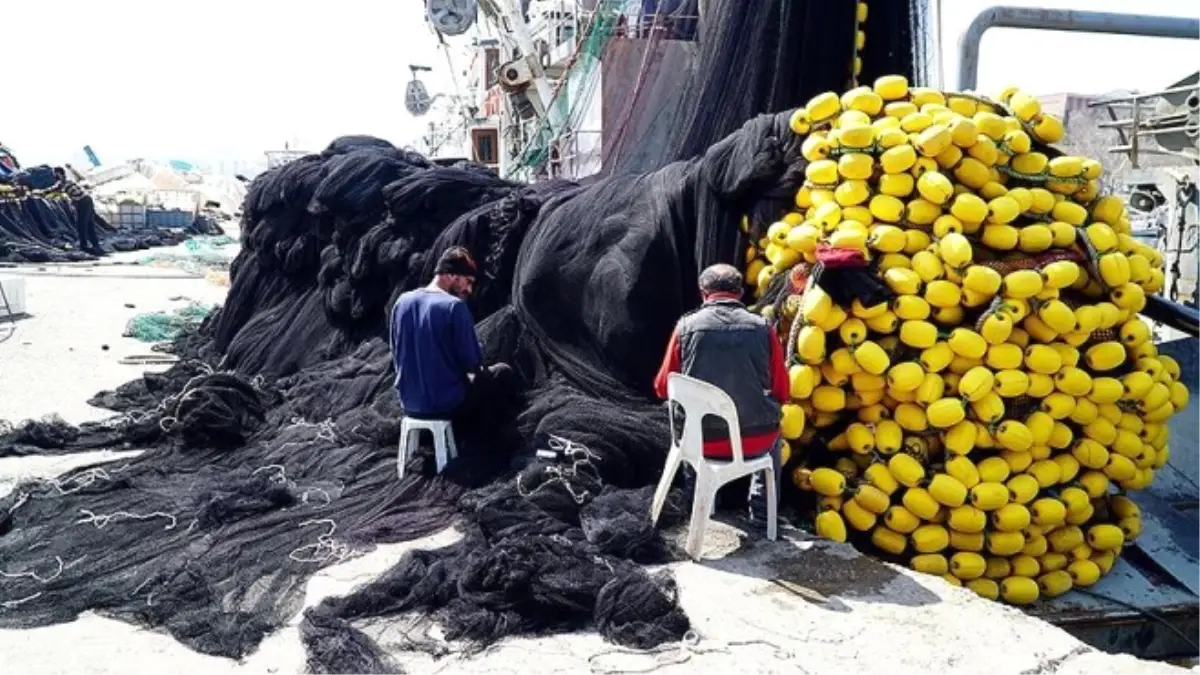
(36,228)
(764,56)
(270,449)
(754,57)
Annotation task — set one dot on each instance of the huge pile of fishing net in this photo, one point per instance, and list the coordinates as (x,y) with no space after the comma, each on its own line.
(270,448)
(37,226)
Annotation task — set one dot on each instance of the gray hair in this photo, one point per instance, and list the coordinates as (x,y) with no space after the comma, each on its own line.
(721,278)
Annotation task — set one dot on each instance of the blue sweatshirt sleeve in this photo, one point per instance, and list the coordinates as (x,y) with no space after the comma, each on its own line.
(466,339)
(394,330)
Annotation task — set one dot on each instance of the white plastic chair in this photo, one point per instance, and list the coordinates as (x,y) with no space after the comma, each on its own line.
(410,438)
(698,399)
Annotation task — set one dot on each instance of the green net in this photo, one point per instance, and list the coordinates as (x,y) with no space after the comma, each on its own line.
(208,243)
(199,255)
(163,326)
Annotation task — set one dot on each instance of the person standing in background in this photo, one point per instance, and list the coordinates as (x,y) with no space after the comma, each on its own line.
(85,212)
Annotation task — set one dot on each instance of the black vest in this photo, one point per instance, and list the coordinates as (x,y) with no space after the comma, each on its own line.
(728,346)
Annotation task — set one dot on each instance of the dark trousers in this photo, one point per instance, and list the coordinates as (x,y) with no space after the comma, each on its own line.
(758,487)
(486,409)
(85,223)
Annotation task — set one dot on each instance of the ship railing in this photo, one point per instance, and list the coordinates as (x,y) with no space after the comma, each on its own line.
(576,154)
(557,22)
(280,157)
(563,23)
(636,23)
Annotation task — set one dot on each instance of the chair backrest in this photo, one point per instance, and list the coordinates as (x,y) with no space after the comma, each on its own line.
(699,398)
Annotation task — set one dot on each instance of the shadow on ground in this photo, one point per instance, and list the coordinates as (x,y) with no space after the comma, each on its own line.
(820,572)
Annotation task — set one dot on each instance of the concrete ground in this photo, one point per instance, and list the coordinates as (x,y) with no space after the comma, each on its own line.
(795,606)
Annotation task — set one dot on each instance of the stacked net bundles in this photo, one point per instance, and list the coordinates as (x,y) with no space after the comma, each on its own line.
(38,226)
(973,390)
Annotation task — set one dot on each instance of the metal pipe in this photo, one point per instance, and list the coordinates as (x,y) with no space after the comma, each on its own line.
(1138,97)
(1160,119)
(1062,20)
(1176,315)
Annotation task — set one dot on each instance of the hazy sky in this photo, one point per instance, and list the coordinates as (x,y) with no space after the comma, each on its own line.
(224,80)
(209,79)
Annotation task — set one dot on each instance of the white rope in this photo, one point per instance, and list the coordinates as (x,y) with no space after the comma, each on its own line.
(328,499)
(279,477)
(326,431)
(82,480)
(13,604)
(100,521)
(30,574)
(168,422)
(681,652)
(325,549)
(21,499)
(581,460)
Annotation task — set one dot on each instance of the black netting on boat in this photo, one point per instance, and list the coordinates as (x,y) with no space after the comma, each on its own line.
(753,57)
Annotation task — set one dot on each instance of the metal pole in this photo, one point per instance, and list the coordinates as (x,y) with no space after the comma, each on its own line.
(936,76)
(524,40)
(1034,18)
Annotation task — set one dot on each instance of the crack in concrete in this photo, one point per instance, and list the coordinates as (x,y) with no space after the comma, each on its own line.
(1046,666)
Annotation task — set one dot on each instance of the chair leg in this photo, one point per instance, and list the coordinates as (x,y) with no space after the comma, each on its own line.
(439,450)
(451,448)
(402,453)
(701,505)
(670,468)
(772,505)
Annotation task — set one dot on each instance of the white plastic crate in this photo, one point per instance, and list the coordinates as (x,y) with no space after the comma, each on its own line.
(14,290)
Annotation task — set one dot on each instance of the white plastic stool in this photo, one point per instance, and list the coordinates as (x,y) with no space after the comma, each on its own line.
(699,399)
(410,438)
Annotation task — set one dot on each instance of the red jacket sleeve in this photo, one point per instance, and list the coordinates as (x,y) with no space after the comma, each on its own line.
(669,365)
(780,384)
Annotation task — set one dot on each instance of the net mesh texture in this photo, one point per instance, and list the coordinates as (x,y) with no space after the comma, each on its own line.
(270,447)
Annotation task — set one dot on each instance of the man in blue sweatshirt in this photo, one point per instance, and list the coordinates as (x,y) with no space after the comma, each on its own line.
(439,365)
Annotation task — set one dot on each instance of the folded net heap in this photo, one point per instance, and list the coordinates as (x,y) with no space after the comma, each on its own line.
(270,447)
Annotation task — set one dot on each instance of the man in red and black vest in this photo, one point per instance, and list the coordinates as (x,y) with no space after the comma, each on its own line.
(728,346)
